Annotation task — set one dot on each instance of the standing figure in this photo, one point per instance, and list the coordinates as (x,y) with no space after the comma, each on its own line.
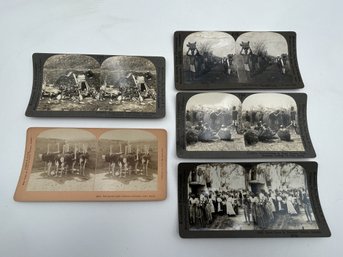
(228,64)
(246,52)
(208,211)
(225,64)
(192,207)
(234,116)
(290,206)
(246,208)
(253,201)
(307,206)
(192,53)
(216,119)
(229,206)
(293,114)
(282,62)
(247,117)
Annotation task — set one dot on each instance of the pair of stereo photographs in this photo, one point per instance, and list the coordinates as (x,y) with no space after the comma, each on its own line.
(216,199)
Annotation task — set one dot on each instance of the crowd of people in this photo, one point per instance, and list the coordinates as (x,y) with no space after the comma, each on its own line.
(278,125)
(221,123)
(260,209)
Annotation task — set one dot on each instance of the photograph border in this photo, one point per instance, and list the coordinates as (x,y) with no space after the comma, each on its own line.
(311,173)
(300,99)
(39,59)
(22,195)
(290,36)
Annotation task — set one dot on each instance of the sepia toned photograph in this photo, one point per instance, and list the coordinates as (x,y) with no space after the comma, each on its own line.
(79,83)
(242,60)
(266,196)
(127,161)
(64,160)
(93,164)
(262,122)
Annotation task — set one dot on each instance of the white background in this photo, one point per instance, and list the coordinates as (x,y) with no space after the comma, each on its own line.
(146,28)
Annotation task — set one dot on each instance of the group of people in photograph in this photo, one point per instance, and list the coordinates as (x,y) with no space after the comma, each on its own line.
(277,119)
(260,209)
(221,123)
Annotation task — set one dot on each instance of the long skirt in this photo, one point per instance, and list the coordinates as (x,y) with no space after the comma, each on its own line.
(192,214)
(272,205)
(290,208)
(269,211)
(261,218)
(208,213)
(229,209)
(254,213)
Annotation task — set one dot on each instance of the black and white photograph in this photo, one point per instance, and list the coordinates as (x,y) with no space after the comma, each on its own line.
(209,56)
(127,161)
(220,60)
(267,196)
(270,123)
(252,197)
(262,57)
(242,125)
(64,160)
(213,123)
(97,86)
(262,122)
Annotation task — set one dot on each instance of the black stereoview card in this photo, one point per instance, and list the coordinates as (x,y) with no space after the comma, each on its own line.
(86,85)
(206,60)
(250,199)
(242,125)
(93,164)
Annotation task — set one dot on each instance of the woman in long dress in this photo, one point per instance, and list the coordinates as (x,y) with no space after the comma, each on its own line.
(208,211)
(290,206)
(280,205)
(229,208)
(211,199)
(270,209)
(260,214)
(199,213)
(219,204)
(307,207)
(253,200)
(272,199)
(192,206)
(246,208)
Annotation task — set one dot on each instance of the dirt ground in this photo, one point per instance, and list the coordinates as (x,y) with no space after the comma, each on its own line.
(40,181)
(278,145)
(91,104)
(106,182)
(215,75)
(271,74)
(282,221)
(237,144)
